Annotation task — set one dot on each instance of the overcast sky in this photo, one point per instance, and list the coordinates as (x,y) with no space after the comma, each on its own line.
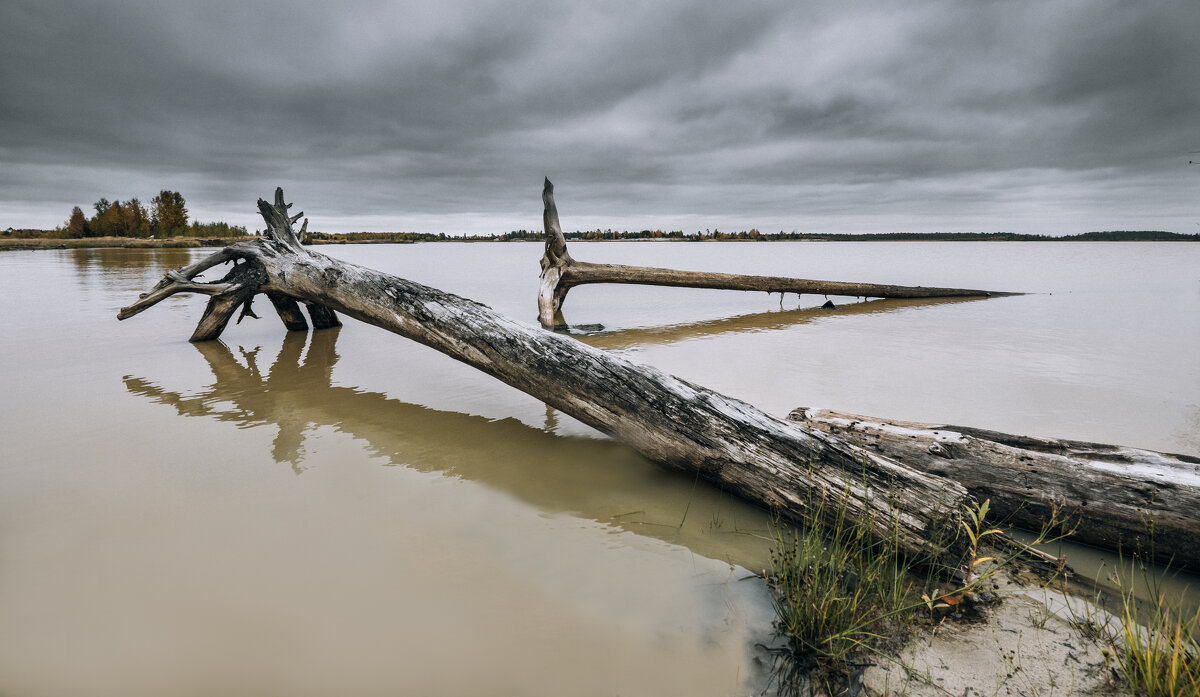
(1048,116)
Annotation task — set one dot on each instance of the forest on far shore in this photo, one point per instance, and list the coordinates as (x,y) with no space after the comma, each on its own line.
(750,236)
(166,216)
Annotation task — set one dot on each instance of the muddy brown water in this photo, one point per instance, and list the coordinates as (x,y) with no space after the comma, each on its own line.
(352,513)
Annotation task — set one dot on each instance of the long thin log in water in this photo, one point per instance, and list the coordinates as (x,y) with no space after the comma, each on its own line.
(561,273)
(1142,502)
(780,465)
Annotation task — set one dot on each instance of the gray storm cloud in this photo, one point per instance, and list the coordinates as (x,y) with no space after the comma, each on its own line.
(1029,116)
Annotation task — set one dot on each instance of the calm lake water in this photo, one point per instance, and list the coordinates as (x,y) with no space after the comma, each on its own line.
(351,513)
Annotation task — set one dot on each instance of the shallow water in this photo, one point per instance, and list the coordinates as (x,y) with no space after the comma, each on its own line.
(353,513)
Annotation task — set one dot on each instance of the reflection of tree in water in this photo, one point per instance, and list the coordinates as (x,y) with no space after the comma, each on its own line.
(598,479)
(124,269)
(756,322)
(122,258)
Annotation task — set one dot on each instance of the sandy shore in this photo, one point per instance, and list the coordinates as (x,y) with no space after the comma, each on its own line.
(1027,644)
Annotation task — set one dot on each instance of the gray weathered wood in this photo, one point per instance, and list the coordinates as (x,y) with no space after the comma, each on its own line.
(289,312)
(322,317)
(1116,495)
(561,273)
(778,464)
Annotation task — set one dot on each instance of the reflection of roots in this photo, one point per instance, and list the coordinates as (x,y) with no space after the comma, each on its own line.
(597,479)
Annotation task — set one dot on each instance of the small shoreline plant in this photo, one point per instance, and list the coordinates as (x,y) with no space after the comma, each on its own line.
(1158,649)
(1152,639)
(843,594)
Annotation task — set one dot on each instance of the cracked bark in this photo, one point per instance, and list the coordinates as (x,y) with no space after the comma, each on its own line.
(1141,502)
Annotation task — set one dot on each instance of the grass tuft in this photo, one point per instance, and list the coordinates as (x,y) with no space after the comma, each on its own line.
(1157,645)
(842,593)
(839,590)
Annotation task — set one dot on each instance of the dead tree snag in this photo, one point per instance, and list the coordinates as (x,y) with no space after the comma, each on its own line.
(561,273)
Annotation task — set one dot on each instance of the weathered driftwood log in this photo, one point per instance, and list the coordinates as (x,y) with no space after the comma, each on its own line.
(1139,501)
(561,273)
(778,464)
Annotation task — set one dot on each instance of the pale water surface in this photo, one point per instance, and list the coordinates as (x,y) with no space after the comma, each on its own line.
(351,513)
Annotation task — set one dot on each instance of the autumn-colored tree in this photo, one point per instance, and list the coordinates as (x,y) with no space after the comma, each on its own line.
(169,213)
(105,222)
(116,219)
(135,219)
(96,226)
(77,224)
(110,219)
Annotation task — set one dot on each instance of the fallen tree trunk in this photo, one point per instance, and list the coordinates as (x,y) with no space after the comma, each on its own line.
(780,465)
(561,273)
(1141,502)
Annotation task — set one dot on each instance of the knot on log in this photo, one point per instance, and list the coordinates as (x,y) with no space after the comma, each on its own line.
(943,449)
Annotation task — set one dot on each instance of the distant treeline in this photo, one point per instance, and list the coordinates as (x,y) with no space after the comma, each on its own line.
(166,216)
(383,237)
(753,235)
(1106,236)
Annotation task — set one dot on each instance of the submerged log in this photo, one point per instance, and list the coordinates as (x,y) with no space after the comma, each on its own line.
(561,273)
(1141,502)
(786,467)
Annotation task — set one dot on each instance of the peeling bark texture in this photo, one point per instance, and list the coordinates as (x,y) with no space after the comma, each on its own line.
(1116,495)
(561,273)
(780,465)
